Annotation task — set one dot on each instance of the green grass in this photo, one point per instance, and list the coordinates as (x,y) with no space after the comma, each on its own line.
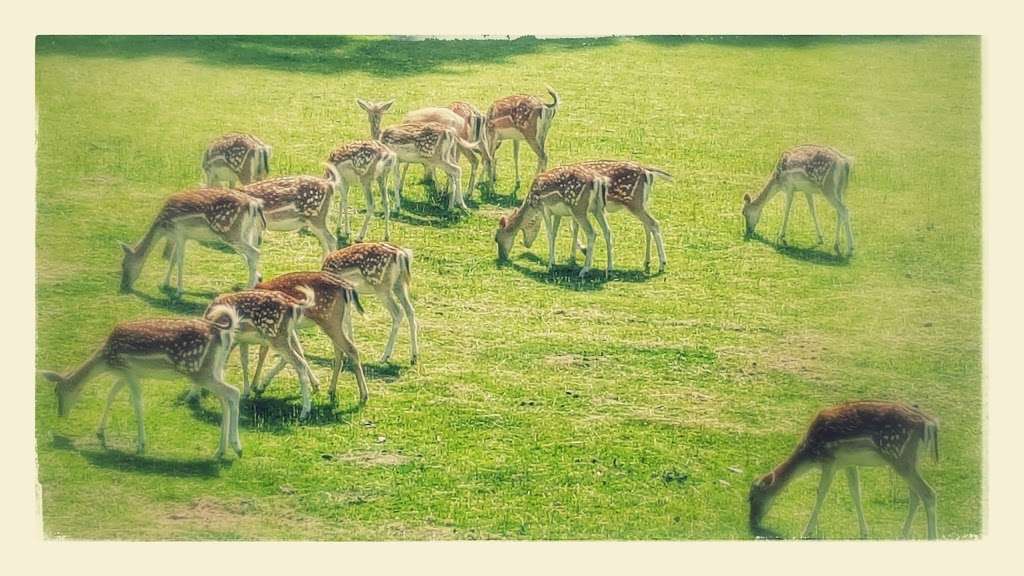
(544,407)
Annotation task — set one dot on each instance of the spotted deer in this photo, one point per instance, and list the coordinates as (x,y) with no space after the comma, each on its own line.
(807,168)
(236,158)
(572,191)
(385,270)
(375,112)
(851,435)
(296,202)
(434,146)
(515,118)
(331,313)
(204,214)
(161,348)
(361,162)
(468,124)
(268,318)
(629,188)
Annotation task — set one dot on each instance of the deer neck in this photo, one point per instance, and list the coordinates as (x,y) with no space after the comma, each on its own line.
(765,194)
(788,471)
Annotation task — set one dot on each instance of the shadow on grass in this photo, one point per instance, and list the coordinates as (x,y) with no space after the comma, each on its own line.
(276,414)
(567,276)
(429,213)
(328,55)
(176,304)
(131,462)
(822,256)
(385,372)
(490,195)
(789,41)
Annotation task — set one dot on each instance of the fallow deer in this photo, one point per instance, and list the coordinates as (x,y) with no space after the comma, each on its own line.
(296,202)
(205,214)
(375,112)
(515,118)
(385,270)
(236,158)
(629,187)
(572,191)
(468,124)
(161,348)
(851,435)
(364,162)
(268,318)
(807,168)
(331,313)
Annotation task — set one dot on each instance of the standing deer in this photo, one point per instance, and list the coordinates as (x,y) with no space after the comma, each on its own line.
(161,348)
(572,191)
(296,202)
(629,187)
(515,118)
(851,435)
(268,318)
(468,123)
(809,168)
(385,270)
(204,214)
(331,313)
(236,158)
(364,162)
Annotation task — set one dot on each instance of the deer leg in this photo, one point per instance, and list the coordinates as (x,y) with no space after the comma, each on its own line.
(402,290)
(252,260)
(602,221)
(284,346)
(542,155)
(574,229)
(243,352)
(551,225)
(382,183)
(343,228)
(925,493)
(343,347)
(172,261)
(318,225)
(588,231)
(293,340)
(136,393)
(853,479)
(370,208)
(849,229)
(827,471)
(785,217)
(814,215)
(911,510)
(179,255)
(229,401)
(515,159)
(454,172)
(653,229)
(256,388)
(281,363)
(396,319)
(494,159)
(101,430)
(473,163)
(401,179)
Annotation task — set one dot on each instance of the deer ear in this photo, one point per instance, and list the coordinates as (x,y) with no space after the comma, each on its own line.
(746,198)
(362,104)
(127,249)
(387,105)
(503,222)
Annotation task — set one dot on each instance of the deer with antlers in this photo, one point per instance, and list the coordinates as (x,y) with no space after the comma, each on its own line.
(519,117)
(432,144)
(629,188)
(331,312)
(385,270)
(268,318)
(205,214)
(851,435)
(811,169)
(566,191)
(468,123)
(296,202)
(362,162)
(161,348)
(236,158)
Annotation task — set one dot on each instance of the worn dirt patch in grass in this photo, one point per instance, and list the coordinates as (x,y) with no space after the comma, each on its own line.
(373,458)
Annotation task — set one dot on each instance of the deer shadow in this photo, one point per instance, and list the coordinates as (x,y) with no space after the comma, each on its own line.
(567,276)
(274,414)
(815,255)
(131,462)
(174,303)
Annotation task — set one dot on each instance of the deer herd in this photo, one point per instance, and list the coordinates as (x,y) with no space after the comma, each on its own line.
(268,313)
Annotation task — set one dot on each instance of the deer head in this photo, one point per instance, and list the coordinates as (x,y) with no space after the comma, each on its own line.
(131,267)
(504,237)
(375,112)
(751,214)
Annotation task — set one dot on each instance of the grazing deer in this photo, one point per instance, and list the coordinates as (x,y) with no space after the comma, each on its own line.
(515,118)
(851,435)
(296,202)
(364,162)
(235,158)
(204,214)
(629,187)
(809,168)
(385,270)
(468,124)
(330,312)
(161,348)
(433,145)
(572,191)
(268,318)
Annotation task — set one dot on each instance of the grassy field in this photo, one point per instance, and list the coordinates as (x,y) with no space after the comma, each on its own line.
(544,407)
